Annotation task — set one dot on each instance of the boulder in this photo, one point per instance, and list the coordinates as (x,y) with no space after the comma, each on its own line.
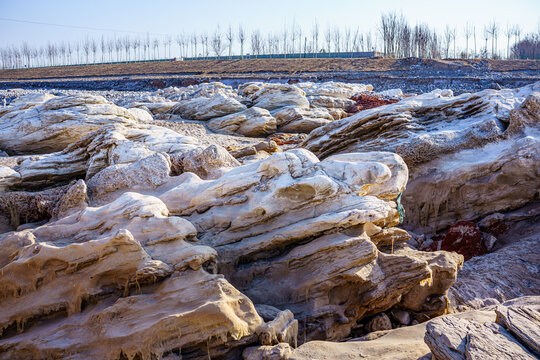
(8,178)
(208,163)
(334,89)
(330,102)
(141,175)
(255,122)
(505,274)
(204,89)
(379,322)
(281,351)
(451,337)
(463,237)
(272,96)
(522,319)
(297,119)
(406,343)
(154,104)
(57,121)
(205,108)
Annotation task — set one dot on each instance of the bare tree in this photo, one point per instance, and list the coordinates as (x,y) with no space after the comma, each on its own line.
(110,48)
(217,43)
(486,38)
(204,43)
(467,31)
(147,46)
(293,37)
(369,42)
(517,37)
(168,41)
(51,51)
(256,42)
(194,43)
(103,48)
(299,37)
(509,32)
(285,37)
(493,31)
(86,48)
(474,35)
(94,49)
(180,41)
(241,39)
(388,28)
(229,36)
(356,40)
(347,38)
(454,33)
(156,48)
(25,49)
(337,39)
(315,37)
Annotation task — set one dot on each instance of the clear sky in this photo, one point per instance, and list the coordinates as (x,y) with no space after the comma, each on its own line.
(173,17)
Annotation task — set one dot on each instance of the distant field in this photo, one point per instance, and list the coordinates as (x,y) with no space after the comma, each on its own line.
(254,66)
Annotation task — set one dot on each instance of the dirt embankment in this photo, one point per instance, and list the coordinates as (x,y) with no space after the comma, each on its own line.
(411,74)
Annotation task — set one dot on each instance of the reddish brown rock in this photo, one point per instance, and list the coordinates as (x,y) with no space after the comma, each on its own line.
(463,237)
(365,101)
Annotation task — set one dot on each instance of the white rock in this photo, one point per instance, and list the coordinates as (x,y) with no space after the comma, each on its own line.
(57,122)
(205,108)
(255,122)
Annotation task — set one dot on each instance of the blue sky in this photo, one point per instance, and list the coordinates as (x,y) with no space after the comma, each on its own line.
(173,17)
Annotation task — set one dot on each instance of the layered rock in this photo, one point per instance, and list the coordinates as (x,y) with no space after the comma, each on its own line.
(205,108)
(451,337)
(49,123)
(110,145)
(491,279)
(462,151)
(334,89)
(273,96)
(303,237)
(255,122)
(297,119)
(19,207)
(98,266)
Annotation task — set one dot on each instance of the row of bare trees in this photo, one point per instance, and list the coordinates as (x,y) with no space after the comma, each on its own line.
(394,37)
(399,39)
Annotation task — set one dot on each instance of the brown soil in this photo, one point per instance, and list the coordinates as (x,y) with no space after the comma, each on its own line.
(251,66)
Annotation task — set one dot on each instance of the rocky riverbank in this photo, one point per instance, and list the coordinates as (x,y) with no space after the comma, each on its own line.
(269,221)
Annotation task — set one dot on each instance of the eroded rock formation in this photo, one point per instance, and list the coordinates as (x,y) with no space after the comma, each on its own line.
(130,241)
(461,150)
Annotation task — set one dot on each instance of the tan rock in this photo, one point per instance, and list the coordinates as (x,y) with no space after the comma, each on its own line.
(110,145)
(459,150)
(205,108)
(253,122)
(55,122)
(209,163)
(21,207)
(296,119)
(281,351)
(451,337)
(272,96)
(279,251)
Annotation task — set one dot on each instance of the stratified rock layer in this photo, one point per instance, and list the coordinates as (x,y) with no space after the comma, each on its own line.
(300,234)
(454,338)
(465,153)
